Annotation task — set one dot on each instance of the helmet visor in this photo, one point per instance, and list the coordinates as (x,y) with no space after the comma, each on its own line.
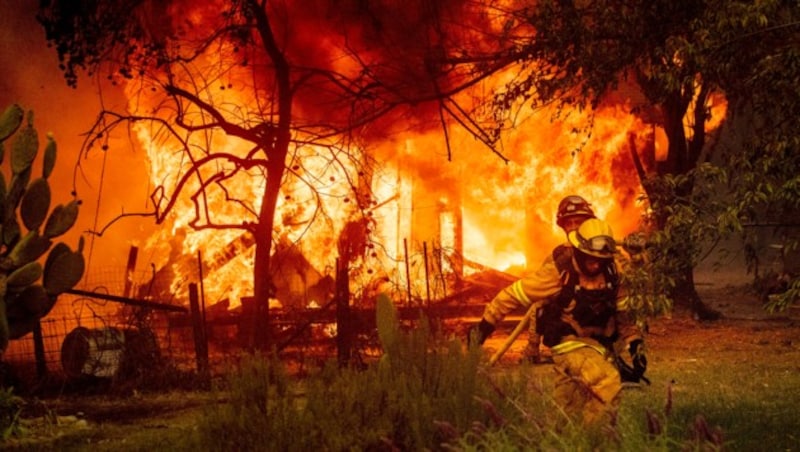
(601,245)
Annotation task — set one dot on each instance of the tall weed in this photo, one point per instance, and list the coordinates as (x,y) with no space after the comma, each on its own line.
(431,393)
(424,392)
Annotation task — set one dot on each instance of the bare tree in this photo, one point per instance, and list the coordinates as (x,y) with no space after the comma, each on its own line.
(207,77)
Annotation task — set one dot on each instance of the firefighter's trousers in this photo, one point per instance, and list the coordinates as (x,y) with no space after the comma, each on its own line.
(587,384)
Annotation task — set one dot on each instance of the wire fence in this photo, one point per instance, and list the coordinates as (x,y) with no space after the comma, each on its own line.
(86,333)
(95,331)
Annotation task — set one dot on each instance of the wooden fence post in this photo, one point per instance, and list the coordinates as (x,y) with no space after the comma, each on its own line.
(427,279)
(408,271)
(198,328)
(131,267)
(344,327)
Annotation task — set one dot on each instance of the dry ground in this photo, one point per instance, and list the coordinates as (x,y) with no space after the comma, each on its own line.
(746,334)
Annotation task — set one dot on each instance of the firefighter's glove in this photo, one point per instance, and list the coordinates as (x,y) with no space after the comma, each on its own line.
(480,332)
(638,358)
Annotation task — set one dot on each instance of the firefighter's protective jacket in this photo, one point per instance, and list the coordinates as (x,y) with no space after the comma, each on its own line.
(548,287)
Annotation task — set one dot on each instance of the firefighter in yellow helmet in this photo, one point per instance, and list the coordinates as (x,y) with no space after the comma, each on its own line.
(572,211)
(583,315)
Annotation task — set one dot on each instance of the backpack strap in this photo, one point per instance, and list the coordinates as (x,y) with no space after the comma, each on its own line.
(562,257)
(550,322)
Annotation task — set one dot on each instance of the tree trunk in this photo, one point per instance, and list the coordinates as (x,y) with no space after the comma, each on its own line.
(679,161)
(685,295)
(276,145)
(263,286)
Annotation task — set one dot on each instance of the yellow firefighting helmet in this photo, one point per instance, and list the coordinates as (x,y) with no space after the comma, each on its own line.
(595,238)
(573,206)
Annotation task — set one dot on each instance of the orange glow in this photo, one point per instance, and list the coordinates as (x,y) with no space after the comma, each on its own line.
(504,212)
(508,209)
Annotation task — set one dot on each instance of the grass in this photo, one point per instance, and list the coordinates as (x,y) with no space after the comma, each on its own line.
(752,401)
(733,393)
(752,404)
(739,397)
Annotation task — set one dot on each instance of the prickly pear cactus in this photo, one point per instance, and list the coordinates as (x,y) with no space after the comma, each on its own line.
(28,288)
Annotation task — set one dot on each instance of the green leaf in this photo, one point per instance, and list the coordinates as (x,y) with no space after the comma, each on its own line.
(35,204)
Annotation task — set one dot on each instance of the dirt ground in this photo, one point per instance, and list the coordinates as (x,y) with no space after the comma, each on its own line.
(104,422)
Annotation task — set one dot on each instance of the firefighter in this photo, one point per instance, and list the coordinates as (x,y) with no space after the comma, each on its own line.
(572,211)
(583,314)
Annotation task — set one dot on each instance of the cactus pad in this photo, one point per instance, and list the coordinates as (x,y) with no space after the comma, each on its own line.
(61,219)
(30,248)
(28,290)
(35,204)
(49,157)
(25,275)
(63,271)
(24,149)
(10,121)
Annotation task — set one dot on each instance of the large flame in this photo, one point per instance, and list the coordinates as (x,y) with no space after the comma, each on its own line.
(507,209)
(504,211)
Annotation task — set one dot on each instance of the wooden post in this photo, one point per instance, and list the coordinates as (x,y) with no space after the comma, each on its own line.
(343,324)
(247,322)
(408,271)
(38,350)
(439,254)
(200,342)
(427,281)
(458,235)
(202,291)
(132,254)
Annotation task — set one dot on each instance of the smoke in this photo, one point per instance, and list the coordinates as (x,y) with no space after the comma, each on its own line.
(370,60)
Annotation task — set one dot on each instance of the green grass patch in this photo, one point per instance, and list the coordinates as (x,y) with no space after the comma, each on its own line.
(429,392)
(432,393)
(751,403)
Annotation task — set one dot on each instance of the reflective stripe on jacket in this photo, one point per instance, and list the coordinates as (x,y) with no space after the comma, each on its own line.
(543,286)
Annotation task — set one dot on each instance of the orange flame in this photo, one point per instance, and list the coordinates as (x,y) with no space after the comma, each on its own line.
(505,211)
